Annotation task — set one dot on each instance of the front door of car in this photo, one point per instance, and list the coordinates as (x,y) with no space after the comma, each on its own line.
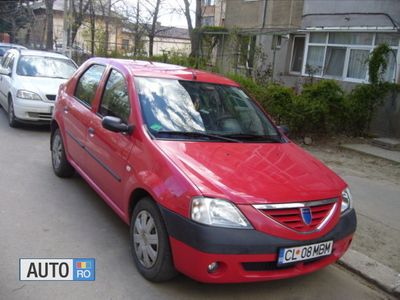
(77,110)
(110,150)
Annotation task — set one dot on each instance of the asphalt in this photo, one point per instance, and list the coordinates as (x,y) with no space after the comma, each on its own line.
(44,216)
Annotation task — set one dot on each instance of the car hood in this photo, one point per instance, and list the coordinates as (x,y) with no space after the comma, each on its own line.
(254,173)
(41,85)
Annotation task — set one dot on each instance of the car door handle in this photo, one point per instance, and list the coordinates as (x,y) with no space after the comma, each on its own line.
(66,109)
(91,131)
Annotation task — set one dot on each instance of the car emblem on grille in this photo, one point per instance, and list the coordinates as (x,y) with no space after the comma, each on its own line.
(306,215)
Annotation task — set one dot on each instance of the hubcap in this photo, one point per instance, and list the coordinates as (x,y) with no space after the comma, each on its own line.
(145,239)
(57,151)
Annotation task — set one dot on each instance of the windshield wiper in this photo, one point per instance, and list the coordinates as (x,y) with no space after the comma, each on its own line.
(199,134)
(254,137)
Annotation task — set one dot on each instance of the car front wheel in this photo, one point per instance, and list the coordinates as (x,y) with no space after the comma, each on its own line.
(12,121)
(149,242)
(61,166)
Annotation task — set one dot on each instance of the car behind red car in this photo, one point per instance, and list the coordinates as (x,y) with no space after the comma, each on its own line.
(209,185)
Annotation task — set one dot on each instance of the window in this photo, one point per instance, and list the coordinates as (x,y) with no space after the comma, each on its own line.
(358,64)
(125,44)
(298,53)
(115,100)
(207,21)
(344,55)
(208,2)
(334,61)
(88,83)
(315,60)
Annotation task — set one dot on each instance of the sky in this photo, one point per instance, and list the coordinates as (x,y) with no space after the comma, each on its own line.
(170,12)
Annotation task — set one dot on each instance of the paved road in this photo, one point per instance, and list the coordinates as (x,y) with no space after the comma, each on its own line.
(44,216)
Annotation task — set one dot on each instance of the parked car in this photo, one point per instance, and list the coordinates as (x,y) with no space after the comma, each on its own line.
(4,47)
(209,185)
(29,81)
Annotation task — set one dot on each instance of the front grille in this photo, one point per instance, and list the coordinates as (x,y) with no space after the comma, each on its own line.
(289,214)
(51,97)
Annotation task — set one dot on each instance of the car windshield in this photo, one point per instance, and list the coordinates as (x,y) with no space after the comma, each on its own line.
(178,109)
(40,66)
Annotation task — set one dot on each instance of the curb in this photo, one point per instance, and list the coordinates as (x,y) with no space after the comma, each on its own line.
(373,271)
(373,151)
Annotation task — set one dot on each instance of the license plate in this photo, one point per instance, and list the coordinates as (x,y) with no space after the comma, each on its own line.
(301,253)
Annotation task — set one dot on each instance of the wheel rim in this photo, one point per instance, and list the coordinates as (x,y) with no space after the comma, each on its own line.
(145,239)
(57,151)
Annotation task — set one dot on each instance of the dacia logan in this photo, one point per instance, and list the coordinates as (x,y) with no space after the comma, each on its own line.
(208,184)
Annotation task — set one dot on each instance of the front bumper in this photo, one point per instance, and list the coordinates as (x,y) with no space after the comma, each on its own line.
(244,255)
(33,111)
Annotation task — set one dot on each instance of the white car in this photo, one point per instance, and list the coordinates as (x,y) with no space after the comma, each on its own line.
(29,82)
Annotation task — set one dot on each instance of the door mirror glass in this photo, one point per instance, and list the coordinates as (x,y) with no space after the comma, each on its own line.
(116,125)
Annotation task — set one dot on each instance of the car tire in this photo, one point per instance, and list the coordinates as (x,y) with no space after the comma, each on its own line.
(12,120)
(150,243)
(61,166)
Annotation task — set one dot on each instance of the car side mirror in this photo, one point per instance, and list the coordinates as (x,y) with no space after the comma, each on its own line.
(5,71)
(284,129)
(116,125)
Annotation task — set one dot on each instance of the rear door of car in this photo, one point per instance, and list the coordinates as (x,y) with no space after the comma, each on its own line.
(77,110)
(110,150)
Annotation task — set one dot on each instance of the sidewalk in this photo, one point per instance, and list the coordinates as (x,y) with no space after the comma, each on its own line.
(375,251)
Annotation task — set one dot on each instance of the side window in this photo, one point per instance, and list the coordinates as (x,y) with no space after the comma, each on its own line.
(88,83)
(115,101)
(5,60)
(11,62)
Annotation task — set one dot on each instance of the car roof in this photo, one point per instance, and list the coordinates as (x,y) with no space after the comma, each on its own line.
(42,53)
(15,46)
(162,70)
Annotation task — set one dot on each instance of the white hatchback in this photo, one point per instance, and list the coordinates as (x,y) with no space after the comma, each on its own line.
(29,82)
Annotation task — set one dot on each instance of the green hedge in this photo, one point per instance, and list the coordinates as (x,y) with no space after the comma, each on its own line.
(322,107)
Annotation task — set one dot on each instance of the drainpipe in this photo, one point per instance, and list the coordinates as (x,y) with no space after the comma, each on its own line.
(264,13)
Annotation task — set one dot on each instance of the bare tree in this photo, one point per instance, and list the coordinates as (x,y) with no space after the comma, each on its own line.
(49,24)
(193,32)
(78,11)
(153,28)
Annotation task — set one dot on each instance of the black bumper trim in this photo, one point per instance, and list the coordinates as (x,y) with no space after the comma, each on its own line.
(243,241)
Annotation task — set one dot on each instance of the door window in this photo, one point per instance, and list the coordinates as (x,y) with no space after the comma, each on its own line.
(88,83)
(115,100)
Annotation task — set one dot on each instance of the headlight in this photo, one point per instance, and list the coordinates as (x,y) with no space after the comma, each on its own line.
(346,200)
(217,212)
(28,95)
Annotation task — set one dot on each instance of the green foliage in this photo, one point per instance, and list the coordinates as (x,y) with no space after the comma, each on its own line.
(322,107)
(377,63)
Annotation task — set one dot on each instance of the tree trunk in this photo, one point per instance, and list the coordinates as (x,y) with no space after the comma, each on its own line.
(107,26)
(194,33)
(92,26)
(153,28)
(137,37)
(49,24)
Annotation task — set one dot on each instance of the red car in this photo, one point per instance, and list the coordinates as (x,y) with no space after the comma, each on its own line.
(210,186)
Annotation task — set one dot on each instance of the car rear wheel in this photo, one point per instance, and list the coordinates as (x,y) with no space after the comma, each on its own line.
(149,242)
(61,166)
(12,121)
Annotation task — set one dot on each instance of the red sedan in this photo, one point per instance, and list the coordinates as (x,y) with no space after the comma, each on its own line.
(209,185)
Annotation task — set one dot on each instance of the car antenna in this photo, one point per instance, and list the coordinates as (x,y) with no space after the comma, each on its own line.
(194,75)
